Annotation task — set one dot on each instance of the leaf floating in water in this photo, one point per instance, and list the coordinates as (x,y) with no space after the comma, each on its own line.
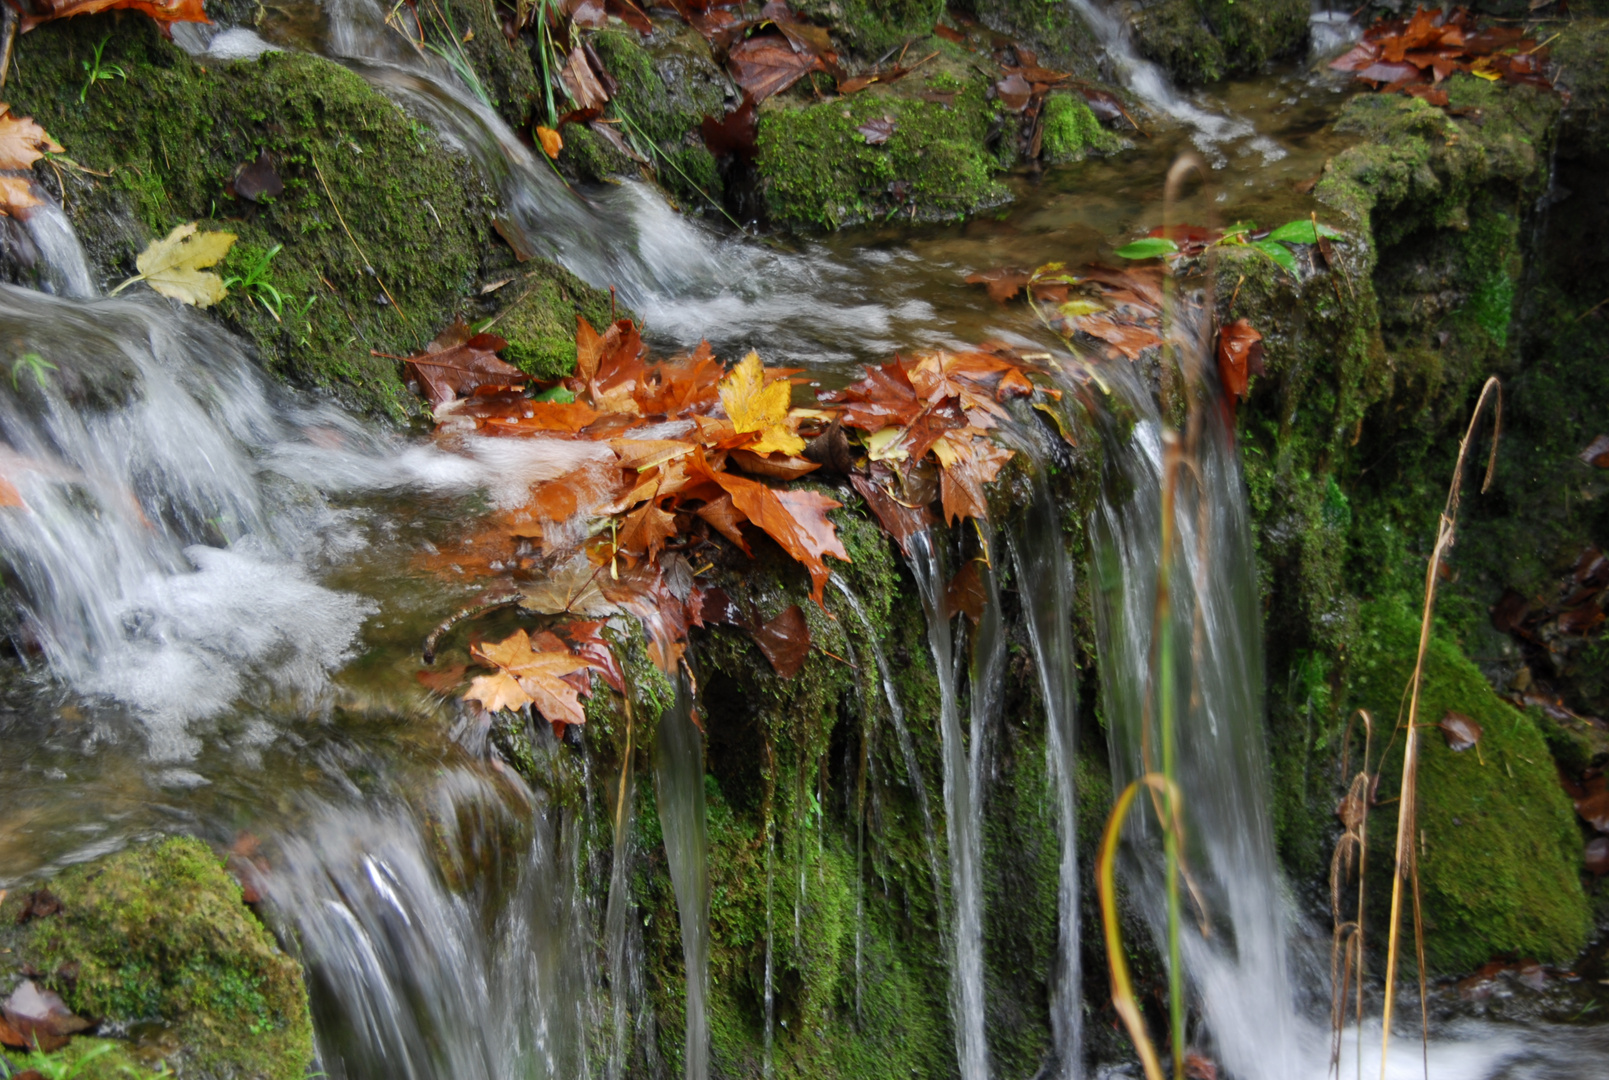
(175,266)
(1461,731)
(785,641)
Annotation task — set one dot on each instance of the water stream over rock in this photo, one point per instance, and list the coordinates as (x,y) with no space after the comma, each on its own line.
(213,572)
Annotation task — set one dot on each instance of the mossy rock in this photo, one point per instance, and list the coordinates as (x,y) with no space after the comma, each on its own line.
(158,933)
(1500,867)
(540,322)
(1055,32)
(1206,40)
(818,170)
(383,229)
(1071,132)
(865,29)
(1581,54)
(668,83)
(84,1058)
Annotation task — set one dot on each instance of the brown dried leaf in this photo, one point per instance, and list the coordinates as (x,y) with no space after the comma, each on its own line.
(1597,452)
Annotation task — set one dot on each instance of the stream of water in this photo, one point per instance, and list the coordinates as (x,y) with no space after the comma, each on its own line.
(212,575)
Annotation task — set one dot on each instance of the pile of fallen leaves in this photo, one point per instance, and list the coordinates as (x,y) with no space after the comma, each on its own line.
(1417,55)
(636,476)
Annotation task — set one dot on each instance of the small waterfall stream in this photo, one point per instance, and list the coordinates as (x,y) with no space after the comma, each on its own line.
(1240,973)
(679,788)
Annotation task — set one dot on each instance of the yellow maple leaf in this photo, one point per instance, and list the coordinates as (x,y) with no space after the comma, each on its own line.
(527,676)
(175,266)
(754,405)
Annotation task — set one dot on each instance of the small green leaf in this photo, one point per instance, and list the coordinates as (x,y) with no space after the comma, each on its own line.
(1240,228)
(1302,232)
(1279,253)
(1149,248)
(558,395)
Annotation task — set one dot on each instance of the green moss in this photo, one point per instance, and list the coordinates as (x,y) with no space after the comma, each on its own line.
(159,933)
(1501,854)
(1205,40)
(174,133)
(502,75)
(818,170)
(1055,32)
(868,28)
(587,157)
(84,1058)
(1071,131)
(666,89)
(540,322)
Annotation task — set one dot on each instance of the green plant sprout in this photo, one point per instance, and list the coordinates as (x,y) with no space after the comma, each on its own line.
(1275,246)
(56,1065)
(255,284)
(35,363)
(98,71)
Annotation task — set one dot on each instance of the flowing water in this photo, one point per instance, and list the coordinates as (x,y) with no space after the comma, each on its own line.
(219,617)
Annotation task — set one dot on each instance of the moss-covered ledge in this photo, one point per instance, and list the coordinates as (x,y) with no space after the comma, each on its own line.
(1199,41)
(156,946)
(384,234)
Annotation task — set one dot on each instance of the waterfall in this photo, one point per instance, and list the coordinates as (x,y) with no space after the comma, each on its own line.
(1149,83)
(1239,974)
(157,547)
(423,960)
(63,270)
(1040,553)
(963,826)
(679,790)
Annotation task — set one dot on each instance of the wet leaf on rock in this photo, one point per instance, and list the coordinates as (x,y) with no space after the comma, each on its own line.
(877,130)
(735,133)
(34,12)
(39,904)
(258,179)
(769,64)
(175,266)
(1240,356)
(1597,855)
(964,595)
(1462,732)
(785,641)
(1597,452)
(458,363)
(40,1016)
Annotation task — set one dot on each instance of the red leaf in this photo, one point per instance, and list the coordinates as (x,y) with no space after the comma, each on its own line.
(34,12)
(1002,282)
(1240,356)
(735,133)
(948,34)
(1013,92)
(877,130)
(964,595)
(785,640)
(898,520)
(1597,452)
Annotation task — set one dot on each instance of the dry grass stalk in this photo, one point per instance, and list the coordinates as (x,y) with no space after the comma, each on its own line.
(1347,938)
(1406,868)
(1123,1000)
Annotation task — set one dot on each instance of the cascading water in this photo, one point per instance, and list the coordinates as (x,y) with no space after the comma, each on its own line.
(1039,552)
(1240,972)
(135,438)
(963,826)
(679,789)
(434,945)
